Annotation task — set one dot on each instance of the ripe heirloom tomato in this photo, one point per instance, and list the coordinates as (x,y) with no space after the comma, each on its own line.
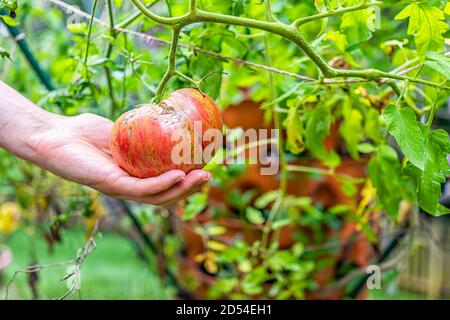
(142,140)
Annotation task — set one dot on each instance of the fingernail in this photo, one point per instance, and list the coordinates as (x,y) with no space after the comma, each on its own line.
(207,176)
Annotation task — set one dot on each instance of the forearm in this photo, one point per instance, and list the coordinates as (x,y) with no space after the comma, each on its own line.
(19,120)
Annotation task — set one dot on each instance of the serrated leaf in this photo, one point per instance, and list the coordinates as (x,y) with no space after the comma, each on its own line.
(447,9)
(317,128)
(372,127)
(321,7)
(385,173)
(407,131)
(426,24)
(351,128)
(429,180)
(294,131)
(438,62)
(196,204)
(338,38)
(357,25)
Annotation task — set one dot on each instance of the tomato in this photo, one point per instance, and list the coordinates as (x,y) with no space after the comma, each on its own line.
(144,140)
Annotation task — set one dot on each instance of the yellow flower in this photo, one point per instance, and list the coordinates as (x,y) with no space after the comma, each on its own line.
(9,217)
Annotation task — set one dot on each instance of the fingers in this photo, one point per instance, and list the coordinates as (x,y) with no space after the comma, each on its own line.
(184,189)
(129,187)
(194,180)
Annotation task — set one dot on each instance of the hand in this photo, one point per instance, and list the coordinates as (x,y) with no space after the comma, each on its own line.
(77,148)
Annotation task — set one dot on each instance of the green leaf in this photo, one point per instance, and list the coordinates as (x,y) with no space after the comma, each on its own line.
(372,126)
(322,7)
(80,28)
(385,173)
(281,223)
(447,9)
(9,4)
(426,24)
(338,38)
(407,131)
(4,53)
(366,147)
(294,131)
(429,180)
(357,25)
(254,216)
(9,21)
(216,245)
(317,128)
(214,230)
(264,200)
(439,62)
(351,128)
(196,204)
(118,3)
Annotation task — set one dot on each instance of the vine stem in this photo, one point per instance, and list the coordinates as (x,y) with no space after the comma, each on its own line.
(129,20)
(405,87)
(269,13)
(433,110)
(170,72)
(277,124)
(323,172)
(286,31)
(88,40)
(236,60)
(108,55)
(192,7)
(362,6)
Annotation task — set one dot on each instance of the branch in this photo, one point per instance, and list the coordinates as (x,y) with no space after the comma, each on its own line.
(192,7)
(278,28)
(171,63)
(82,254)
(269,13)
(287,31)
(330,13)
(88,40)
(373,74)
(155,17)
(125,23)
(120,28)
(108,55)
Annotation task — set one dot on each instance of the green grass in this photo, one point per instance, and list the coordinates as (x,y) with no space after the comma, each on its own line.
(112,271)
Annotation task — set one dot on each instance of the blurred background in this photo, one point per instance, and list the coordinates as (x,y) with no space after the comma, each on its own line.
(62,240)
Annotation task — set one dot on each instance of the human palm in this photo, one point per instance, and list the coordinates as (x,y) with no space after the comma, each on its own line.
(77,148)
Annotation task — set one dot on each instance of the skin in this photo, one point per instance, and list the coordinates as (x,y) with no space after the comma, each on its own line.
(77,148)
